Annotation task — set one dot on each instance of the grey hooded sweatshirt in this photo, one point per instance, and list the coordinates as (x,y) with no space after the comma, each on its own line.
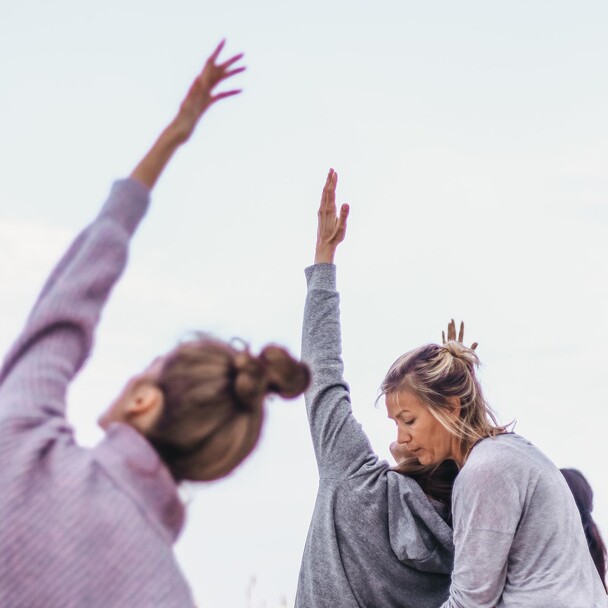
(375,540)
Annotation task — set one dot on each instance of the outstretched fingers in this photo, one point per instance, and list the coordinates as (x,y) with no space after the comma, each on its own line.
(341,222)
(229,62)
(230,73)
(213,72)
(218,50)
(328,196)
(451,336)
(224,94)
(451,330)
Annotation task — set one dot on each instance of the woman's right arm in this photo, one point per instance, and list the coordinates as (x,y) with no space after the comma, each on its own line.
(340,444)
(59,332)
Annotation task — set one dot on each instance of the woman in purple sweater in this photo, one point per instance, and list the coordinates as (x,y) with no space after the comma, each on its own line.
(95,527)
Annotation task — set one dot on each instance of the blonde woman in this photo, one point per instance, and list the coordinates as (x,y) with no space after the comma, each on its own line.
(517,532)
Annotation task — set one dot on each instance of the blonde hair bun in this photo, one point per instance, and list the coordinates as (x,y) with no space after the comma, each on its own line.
(459,351)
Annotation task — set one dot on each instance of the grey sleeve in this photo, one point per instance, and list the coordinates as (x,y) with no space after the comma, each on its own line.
(58,334)
(487,506)
(341,446)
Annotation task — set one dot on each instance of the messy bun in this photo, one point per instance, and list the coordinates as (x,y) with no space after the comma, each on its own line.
(213,408)
(463,353)
(287,377)
(274,371)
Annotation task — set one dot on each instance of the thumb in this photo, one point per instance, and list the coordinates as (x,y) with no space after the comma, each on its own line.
(344,211)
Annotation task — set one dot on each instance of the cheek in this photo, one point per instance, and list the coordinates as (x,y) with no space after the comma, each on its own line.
(443,438)
(435,435)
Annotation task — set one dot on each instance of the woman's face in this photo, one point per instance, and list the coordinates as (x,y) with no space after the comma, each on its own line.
(419,431)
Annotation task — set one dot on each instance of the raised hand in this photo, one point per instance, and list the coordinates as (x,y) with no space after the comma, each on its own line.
(198,100)
(331,228)
(200,96)
(452,334)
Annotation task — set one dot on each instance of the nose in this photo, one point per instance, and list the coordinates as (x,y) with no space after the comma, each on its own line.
(403,435)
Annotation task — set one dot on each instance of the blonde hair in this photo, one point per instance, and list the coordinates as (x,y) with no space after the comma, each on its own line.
(435,375)
(213,408)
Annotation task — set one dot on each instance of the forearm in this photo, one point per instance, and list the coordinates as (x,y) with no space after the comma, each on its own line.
(154,162)
(480,569)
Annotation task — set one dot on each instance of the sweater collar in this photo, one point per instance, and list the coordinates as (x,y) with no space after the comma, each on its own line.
(133,464)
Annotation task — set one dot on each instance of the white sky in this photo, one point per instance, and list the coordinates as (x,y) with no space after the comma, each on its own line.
(471,139)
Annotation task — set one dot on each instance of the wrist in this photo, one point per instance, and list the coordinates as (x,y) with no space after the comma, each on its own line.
(324,255)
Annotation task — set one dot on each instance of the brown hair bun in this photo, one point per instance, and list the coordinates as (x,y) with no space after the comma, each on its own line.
(213,411)
(286,376)
(249,380)
(273,371)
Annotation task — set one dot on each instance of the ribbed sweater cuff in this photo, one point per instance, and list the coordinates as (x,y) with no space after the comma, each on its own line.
(127,203)
(321,276)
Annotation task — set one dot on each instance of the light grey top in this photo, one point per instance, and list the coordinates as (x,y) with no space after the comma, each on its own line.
(375,540)
(518,534)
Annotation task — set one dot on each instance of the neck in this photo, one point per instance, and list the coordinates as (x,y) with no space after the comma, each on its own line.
(457,454)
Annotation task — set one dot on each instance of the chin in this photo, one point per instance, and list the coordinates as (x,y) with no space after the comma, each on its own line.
(426,460)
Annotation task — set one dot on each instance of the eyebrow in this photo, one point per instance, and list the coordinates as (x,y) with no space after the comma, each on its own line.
(403,411)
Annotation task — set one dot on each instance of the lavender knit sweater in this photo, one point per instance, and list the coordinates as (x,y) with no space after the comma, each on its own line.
(79,527)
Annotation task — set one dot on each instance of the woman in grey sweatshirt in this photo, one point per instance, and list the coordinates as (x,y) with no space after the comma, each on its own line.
(375,540)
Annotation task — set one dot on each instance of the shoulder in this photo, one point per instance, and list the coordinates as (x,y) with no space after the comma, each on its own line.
(505,448)
(504,459)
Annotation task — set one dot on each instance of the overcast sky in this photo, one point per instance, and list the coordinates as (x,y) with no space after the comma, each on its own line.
(471,140)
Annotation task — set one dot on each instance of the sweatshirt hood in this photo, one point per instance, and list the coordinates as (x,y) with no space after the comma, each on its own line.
(419,536)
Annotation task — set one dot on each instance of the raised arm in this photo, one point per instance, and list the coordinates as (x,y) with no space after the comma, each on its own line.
(58,334)
(199,99)
(341,446)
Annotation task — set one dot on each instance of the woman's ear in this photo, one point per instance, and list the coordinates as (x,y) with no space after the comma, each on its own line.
(144,406)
